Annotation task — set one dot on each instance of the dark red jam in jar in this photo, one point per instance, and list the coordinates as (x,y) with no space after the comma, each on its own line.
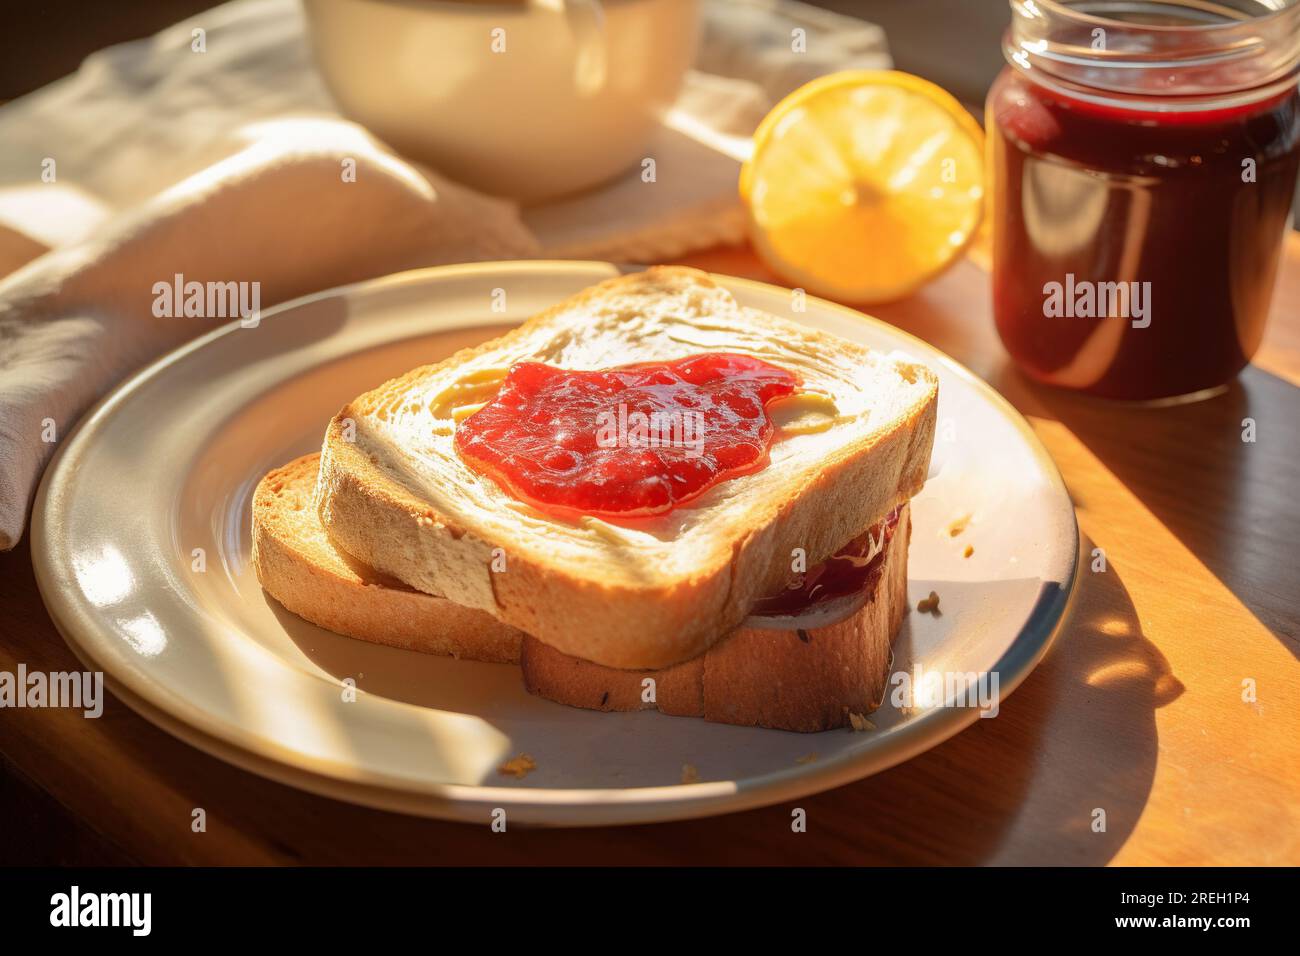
(1144,158)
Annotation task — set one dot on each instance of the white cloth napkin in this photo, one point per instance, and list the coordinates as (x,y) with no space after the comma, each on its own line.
(153,161)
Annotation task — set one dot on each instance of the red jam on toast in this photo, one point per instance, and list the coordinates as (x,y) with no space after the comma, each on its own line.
(627,442)
(851,570)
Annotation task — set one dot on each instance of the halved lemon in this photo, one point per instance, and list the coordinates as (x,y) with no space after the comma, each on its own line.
(865,184)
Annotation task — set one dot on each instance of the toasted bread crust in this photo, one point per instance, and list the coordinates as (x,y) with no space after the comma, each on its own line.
(297,566)
(785,680)
(620,623)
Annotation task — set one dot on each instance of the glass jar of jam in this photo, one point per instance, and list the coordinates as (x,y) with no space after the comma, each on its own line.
(1144,159)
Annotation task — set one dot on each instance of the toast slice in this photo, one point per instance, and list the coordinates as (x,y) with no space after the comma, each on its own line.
(394,493)
(781,678)
(299,566)
(805,680)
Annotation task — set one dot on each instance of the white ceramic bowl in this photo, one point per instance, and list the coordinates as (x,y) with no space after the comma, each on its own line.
(532,99)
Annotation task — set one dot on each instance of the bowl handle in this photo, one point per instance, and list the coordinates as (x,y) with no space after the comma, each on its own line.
(586,19)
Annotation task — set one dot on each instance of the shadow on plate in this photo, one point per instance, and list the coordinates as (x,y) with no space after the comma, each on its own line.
(425,680)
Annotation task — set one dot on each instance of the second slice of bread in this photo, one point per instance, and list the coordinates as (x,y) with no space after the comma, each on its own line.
(394,493)
(299,566)
(785,679)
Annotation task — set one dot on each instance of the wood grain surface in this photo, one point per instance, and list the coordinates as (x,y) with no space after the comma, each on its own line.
(1137,711)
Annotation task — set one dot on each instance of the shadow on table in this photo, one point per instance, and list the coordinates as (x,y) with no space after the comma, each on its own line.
(1235,508)
(1024,788)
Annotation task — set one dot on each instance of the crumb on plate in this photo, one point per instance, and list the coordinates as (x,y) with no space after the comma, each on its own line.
(859,723)
(517,767)
(689,773)
(929,605)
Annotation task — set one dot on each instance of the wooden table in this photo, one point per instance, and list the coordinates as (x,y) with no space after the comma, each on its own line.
(1138,709)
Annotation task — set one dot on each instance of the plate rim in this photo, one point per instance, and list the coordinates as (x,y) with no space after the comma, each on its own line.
(535,805)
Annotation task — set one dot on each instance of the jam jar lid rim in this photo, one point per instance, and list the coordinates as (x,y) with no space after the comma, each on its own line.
(1253,59)
(1067,11)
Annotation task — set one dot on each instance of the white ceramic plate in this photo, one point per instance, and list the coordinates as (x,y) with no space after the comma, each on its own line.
(167,464)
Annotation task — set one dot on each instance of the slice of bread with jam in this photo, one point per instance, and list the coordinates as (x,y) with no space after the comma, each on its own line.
(806,674)
(850,446)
